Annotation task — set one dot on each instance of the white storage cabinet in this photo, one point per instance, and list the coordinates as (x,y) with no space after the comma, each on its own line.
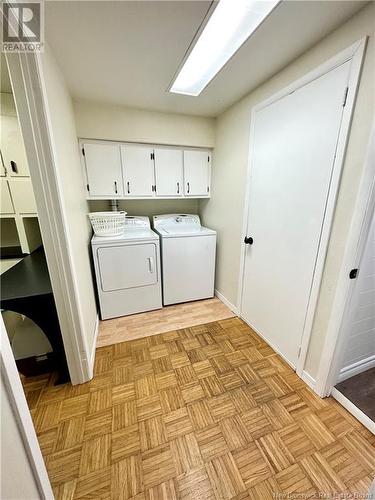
(136,171)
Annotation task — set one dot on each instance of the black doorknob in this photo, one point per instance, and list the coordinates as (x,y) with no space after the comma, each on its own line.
(248,240)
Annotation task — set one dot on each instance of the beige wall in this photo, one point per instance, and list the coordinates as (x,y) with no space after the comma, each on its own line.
(224,211)
(119,123)
(17,477)
(70,178)
(104,121)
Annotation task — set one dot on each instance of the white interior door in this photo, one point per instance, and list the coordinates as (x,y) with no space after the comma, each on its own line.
(103,167)
(359,353)
(168,172)
(292,159)
(138,165)
(197,173)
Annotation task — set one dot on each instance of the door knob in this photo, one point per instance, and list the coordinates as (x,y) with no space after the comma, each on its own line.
(248,240)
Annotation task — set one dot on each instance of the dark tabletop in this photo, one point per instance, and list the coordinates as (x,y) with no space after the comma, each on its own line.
(28,278)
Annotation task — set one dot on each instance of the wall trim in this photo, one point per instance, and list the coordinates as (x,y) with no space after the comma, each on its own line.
(356,368)
(355,54)
(93,349)
(22,416)
(225,301)
(308,379)
(354,410)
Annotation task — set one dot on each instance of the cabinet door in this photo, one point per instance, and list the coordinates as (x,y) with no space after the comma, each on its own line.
(23,196)
(197,173)
(6,205)
(103,167)
(168,172)
(12,147)
(138,167)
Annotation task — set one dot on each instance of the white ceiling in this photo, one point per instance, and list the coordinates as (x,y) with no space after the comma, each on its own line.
(126,52)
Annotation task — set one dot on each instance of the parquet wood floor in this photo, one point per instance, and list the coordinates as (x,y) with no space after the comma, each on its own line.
(207,412)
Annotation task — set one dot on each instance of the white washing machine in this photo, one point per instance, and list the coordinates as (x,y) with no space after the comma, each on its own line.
(188,257)
(127,269)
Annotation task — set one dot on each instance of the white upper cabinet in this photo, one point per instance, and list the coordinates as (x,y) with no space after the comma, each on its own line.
(138,168)
(12,147)
(136,171)
(197,173)
(103,170)
(168,172)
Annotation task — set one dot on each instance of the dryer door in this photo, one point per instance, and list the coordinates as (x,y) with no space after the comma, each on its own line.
(127,266)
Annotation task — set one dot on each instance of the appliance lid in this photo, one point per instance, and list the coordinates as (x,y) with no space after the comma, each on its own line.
(172,222)
(136,227)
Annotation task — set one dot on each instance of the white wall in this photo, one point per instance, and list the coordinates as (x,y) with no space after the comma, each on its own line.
(105,121)
(17,477)
(224,211)
(70,178)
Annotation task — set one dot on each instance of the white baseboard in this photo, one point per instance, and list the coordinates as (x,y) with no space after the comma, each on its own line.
(225,301)
(309,380)
(93,348)
(356,368)
(354,410)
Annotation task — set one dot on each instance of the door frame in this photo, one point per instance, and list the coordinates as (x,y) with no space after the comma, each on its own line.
(331,359)
(29,90)
(22,416)
(355,54)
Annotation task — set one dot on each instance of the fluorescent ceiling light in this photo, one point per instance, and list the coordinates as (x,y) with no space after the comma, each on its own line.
(230,25)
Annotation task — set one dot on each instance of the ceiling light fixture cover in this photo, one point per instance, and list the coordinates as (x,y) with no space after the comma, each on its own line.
(230,25)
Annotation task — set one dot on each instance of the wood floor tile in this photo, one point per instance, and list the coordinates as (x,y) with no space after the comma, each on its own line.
(186,453)
(211,443)
(195,485)
(224,476)
(96,454)
(125,443)
(200,415)
(177,423)
(126,478)
(152,433)
(158,466)
(252,465)
(205,412)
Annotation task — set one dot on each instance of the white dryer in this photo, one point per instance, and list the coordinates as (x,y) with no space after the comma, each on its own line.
(127,269)
(188,257)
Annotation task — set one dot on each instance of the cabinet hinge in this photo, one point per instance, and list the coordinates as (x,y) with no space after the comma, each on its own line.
(83,151)
(353,274)
(88,187)
(152,156)
(208,189)
(345,97)
(208,159)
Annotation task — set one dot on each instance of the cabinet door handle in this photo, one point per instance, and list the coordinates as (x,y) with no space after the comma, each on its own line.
(13,166)
(188,187)
(128,184)
(116,187)
(178,188)
(150,265)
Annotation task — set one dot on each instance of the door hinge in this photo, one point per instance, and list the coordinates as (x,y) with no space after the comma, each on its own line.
(83,151)
(345,97)
(88,187)
(353,274)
